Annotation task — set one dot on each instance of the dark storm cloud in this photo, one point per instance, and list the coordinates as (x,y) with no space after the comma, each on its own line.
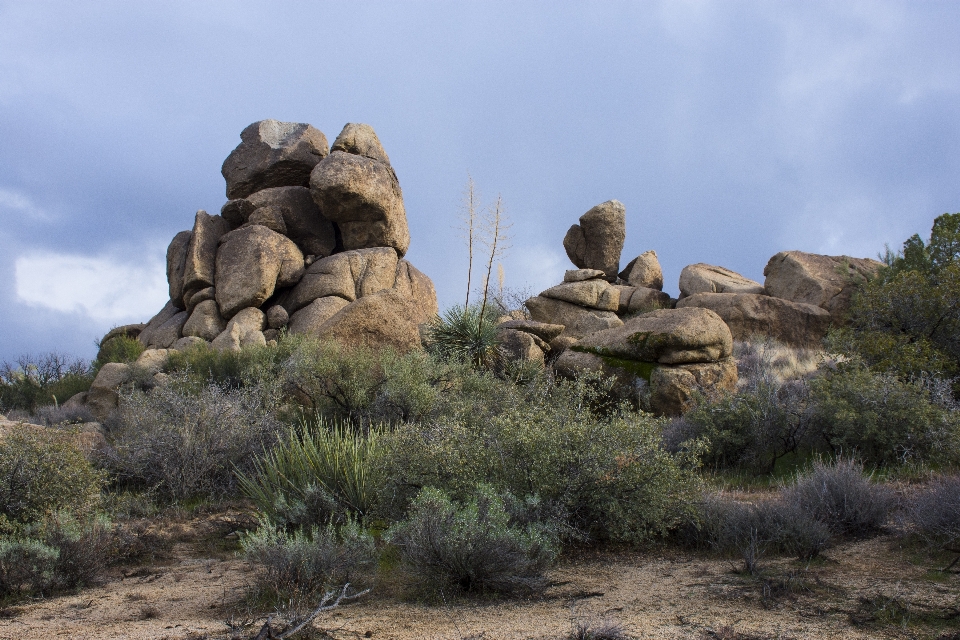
(729,130)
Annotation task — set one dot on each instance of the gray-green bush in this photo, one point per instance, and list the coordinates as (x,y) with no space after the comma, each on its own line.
(50,536)
(184,444)
(42,471)
(843,496)
(308,561)
(750,530)
(767,418)
(604,475)
(471,547)
(881,419)
(934,512)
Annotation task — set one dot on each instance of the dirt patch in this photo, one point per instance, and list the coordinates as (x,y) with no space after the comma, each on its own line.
(866,589)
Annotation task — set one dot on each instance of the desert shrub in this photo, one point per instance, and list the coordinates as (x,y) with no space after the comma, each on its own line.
(120,348)
(50,538)
(26,565)
(603,630)
(325,471)
(750,530)
(907,321)
(260,367)
(310,560)
(881,418)
(604,475)
(841,495)
(934,511)
(467,334)
(363,384)
(42,472)
(83,549)
(49,379)
(55,415)
(184,444)
(471,547)
(767,418)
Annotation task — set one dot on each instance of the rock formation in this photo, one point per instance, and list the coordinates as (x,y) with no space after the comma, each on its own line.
(824,281)
(311,242)
(659,351)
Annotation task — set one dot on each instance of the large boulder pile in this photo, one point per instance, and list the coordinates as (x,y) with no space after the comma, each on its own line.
(311,241)
(662,351)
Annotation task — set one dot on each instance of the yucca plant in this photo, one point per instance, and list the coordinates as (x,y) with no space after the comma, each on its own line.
(320,472)
(466,334)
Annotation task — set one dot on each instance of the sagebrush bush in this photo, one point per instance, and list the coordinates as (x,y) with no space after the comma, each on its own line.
(310,560)
(843,496)
(471,547)
(604,475)
(934,512)
(42,471)
(50,536)
(26,565)
(840,408)
(362,384)
(749,530)
(184,444)
(259,367)
(326,470)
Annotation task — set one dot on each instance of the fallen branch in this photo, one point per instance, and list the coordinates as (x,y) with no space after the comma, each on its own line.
(267,633)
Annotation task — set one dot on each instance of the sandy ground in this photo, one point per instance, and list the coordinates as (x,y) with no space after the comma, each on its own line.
(867,589)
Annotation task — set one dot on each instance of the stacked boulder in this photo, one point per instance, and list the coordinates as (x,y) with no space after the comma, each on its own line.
(661,358)
(662,352)
(310,241)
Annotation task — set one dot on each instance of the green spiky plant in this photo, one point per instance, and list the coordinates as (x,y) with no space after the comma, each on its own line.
(325,470)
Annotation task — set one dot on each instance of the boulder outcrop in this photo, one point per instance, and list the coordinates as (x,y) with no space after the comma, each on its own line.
(273,154)
(252,262)
(176,264)
(824,281)
(349,275)
(361,194)
(749,315)
(667,336)
(644,271)
(299,217)
(592,294)
(201,260)
(707,278)
(273,261)
(383,319)
(597,242)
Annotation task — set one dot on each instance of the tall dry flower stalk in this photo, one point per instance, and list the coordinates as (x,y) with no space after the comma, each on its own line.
(470,222)
(495,240)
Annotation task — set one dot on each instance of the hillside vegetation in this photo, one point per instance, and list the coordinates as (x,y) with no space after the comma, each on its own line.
(453,472)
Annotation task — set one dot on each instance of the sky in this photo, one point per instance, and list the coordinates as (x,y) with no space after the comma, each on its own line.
(730,131)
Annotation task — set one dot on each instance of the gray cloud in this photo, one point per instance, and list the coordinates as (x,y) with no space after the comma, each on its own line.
(730,131)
